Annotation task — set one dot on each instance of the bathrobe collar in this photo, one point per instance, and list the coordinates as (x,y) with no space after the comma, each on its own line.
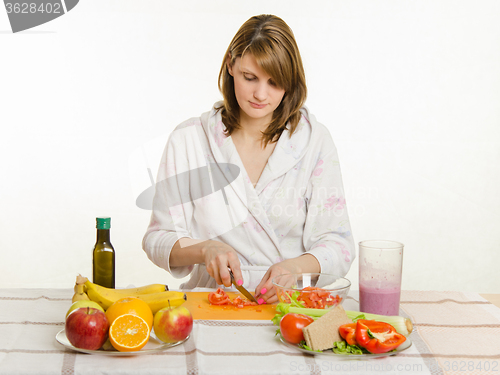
(287,154)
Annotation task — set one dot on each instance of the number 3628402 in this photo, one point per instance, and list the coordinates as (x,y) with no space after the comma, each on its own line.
(471,366)
(27,8)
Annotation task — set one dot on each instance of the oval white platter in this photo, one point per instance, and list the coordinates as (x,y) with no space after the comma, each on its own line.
(154,345)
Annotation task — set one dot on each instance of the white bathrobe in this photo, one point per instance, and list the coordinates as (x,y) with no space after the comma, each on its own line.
(298,205)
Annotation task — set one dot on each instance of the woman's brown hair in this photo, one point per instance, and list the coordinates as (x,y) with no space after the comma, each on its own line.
(269,39)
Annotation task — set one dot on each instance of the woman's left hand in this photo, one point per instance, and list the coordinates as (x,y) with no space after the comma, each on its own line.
(304,263)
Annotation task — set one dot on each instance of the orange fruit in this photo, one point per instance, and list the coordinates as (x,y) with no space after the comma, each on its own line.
(130,305)
(129,333)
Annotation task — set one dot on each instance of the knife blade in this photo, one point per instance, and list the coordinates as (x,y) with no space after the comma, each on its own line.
(242,290)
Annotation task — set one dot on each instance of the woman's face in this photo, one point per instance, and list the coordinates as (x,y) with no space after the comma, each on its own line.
(256,92)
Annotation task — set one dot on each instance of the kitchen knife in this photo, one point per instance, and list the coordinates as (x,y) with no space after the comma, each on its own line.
(241,289)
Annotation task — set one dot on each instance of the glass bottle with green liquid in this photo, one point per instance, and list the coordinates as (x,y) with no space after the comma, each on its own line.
(103,257)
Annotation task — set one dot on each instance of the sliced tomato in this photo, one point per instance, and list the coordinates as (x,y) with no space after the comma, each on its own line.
(285,297)
(317,298)
(238,302)
(304,297)
(219,297)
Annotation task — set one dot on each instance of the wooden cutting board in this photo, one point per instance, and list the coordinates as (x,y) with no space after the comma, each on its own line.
(197,303)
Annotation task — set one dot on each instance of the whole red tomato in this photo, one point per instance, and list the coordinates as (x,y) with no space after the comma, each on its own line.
(291,327)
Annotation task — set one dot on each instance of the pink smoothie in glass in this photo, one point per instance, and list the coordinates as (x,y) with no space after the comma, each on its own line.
(379,301)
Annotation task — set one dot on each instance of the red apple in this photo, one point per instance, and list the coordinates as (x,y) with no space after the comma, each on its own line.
(87,328)
(172,324)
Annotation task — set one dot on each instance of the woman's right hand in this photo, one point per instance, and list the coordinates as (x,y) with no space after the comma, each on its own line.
(218,258)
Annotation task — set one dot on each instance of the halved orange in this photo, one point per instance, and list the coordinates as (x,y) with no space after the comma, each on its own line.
(130,305)
(129,333)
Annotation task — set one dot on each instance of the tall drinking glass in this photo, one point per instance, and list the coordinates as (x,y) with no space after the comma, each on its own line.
(380,269)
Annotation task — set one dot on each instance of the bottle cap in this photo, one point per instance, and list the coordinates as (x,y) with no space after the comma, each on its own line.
(103,222)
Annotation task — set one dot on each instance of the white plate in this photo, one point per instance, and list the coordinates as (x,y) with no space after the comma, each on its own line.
(154,345)
(330,353)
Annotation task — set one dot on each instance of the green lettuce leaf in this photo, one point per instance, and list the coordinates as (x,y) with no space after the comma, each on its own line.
(341,347)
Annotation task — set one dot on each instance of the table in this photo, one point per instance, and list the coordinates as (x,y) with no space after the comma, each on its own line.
(455,333)
(493,298)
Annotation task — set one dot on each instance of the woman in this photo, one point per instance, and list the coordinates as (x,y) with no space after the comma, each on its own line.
(253,185)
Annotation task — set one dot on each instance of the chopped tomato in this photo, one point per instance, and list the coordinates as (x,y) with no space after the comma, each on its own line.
(315,298)
(238,302)
(219,297)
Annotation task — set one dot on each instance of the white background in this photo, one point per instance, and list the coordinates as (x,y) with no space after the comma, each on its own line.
(409,89)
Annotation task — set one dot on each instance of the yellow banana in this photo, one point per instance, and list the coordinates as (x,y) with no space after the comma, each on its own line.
(157,301)
(146,289)
(79,293)
(129,292)
(103,296)
(107,296)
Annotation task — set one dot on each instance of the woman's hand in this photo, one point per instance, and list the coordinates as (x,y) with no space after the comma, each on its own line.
(304,263)
(218,258)
(216,255)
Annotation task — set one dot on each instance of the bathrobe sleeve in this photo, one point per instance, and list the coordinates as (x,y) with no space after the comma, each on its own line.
(172,212)
(327,233)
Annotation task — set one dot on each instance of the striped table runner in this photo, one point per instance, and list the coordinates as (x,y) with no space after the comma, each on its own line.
(455,333)
(460,331)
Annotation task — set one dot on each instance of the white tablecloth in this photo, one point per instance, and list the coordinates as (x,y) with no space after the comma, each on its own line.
(455,333)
